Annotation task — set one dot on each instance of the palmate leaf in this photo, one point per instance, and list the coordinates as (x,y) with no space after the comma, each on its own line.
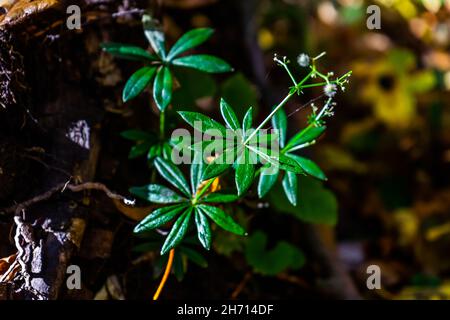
(308,166)
(221,219)
(303,166)
(159,217)
(229,115)
(190,40)
(197,168)
(267,179)
(139,149)
(161,149)
(245,171)
(201,122)
(173,175)
(203,62)
(127,52)
(308,134)
(203,229)
(219,198)
(279,122)
(157,194)
(178,231)
(220,164)
(137,83)
(155,35)
(162,88)
(248,120)
(290,187)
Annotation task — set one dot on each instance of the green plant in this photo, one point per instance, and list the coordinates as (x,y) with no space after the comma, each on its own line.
(159,67)
(252,152)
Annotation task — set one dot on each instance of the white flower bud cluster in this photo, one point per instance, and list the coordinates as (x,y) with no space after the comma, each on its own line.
(303,60)
(330,90)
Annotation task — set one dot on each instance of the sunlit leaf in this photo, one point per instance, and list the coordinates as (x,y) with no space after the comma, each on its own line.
(178,231)
(245,171)
(173,175)
(157,194)
(228,115)
(204,63)
(219,198)
(159,217)
(201,122)
(127,51)
(190,40)
(203,229)
(222,219)
(279,122)
(137,83)
(306,135)
(309,167)
(154,34)
(162,88)
(290,187)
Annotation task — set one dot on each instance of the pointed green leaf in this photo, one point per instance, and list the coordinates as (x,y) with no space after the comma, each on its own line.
(157,194)
(203,229)
(229,115)
(190,40)
(127,52)
(279,122)
(248,120)
(220,164)
(245,172)
(166,151)
(201,122)
(178,231)
(154,34)
(316,204)
(162,88)
(274,261)
(267,179)
(289,164)
(219,198)
(278,160)
(173,175)
(290,186)
(139,150)
(203,62)
(197,168)
(222,219)
(154,151)
(159,217)
(306,135)
(194,256)
(309,167)
(137,83)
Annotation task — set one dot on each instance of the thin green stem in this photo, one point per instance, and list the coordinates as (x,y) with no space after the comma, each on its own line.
(162,122)
(305,78)
(284,64)
(281,104)
(289,73)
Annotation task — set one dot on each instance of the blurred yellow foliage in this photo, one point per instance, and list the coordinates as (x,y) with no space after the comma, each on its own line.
(391,84)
